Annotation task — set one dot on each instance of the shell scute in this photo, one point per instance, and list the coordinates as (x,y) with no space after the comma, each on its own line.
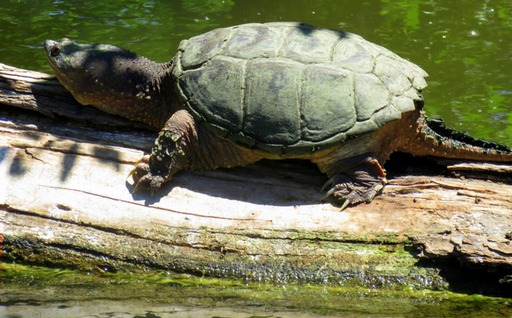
(288,88)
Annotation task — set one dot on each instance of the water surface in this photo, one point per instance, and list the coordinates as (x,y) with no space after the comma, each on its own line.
(466,49)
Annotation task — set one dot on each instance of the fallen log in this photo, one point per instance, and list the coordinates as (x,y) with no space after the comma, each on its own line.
(65,200)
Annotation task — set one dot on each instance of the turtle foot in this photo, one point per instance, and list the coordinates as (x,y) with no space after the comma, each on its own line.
(359,180)
(143,178)
(170,154)
(348,191)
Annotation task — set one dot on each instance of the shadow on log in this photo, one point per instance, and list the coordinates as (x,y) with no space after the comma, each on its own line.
(65,201)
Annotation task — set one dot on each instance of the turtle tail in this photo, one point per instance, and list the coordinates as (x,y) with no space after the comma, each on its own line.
(435,139)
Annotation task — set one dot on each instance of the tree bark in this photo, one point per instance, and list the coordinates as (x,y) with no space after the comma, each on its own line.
(65,200)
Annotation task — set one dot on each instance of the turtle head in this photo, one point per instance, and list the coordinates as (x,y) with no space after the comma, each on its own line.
(112,79)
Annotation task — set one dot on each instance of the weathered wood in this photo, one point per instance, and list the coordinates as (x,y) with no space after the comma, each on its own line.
(64,199)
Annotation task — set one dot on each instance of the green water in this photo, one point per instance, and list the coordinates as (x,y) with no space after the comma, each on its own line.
(31,291)
(465,46)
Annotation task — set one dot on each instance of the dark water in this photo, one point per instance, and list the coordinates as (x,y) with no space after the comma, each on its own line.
(464,46)
(33,292)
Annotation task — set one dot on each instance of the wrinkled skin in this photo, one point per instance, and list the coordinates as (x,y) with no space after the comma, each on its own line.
(120,82)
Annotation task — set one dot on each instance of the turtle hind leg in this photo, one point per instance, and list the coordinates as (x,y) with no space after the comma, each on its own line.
(353,180)
(184,145)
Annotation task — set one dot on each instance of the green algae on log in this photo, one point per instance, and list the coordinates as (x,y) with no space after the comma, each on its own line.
(65,202)
(166,294)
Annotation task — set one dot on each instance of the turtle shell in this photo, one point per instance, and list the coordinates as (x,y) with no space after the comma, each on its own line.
(289,89)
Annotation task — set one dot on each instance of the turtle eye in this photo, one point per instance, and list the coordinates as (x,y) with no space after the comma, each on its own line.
(55,50)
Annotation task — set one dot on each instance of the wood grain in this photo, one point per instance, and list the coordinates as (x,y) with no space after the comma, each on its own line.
(65,200)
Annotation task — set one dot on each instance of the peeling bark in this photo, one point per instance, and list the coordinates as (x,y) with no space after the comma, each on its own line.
(65,200)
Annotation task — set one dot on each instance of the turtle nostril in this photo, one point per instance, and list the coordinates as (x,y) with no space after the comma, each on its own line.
(54,51)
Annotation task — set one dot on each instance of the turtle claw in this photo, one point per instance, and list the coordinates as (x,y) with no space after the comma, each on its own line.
(348,191)
(345,204)
(341,198)
(135,188)
(148,182)
(143,177)
(332,183)
(328,194)
(354,180)
(335,191)
(327,184)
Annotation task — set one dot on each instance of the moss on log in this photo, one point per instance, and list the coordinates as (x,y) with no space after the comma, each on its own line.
(65,200)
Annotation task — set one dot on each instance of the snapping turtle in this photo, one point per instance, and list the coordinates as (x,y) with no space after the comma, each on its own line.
(236,95)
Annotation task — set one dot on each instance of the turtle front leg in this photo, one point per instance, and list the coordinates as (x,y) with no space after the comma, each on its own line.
(354,180)
(182,144)
(168,155)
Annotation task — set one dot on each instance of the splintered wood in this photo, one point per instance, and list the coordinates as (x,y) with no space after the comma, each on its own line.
(63,185)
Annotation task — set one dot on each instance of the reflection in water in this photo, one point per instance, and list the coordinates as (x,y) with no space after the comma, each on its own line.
(466,52)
